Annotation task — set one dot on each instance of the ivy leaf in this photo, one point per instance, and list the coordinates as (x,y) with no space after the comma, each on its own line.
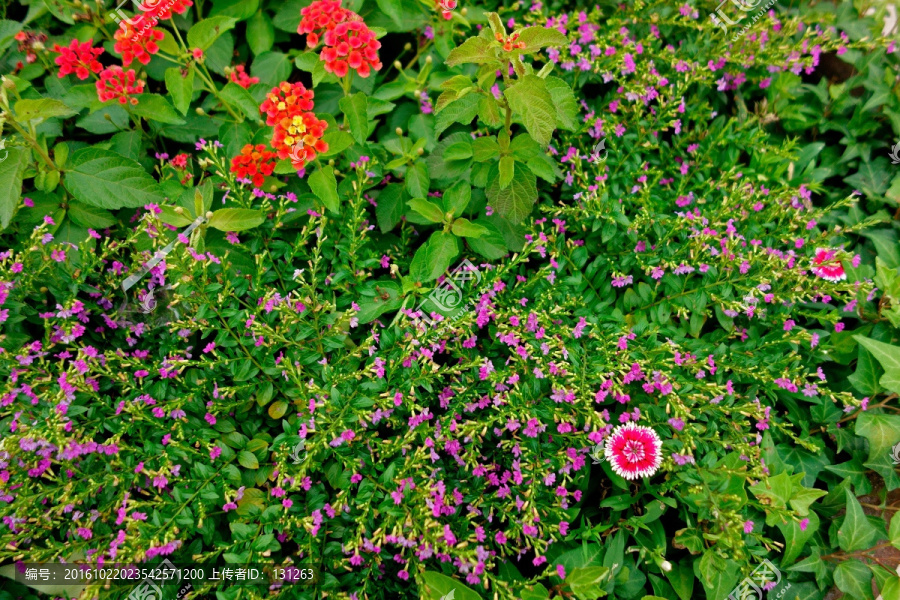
(474,50)
(856,532)
(854,578)
(533,103)
(180,87)
(433,258)
(324,186)
(882,431)
(205,32)
(108,180)
(889,357)
(236,219)
(514,202)
(565,102)
(587,582)
(354,107)
(536,38)
(11,170)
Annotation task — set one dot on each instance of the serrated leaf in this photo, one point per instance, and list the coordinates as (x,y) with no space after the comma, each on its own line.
(507,168)
(203,33)
(516,201)
(180,87)
(418,181)
(103,178)
(90,216)
(433,258)
(530,99)
(490,244)
(462,111)
(391,206)
(536,38)
(260,33)
(457,197)
(44,108)
(565,102)
(474,50)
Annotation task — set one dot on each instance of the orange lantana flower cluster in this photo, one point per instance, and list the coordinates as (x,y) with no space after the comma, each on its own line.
(254,162)
(349,43)
(298,132)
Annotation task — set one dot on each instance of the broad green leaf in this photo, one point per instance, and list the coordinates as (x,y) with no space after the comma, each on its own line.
(11,170)
(459,111)
(889,357)
(205,32)
(565,102)
(260,33)
(587,583)
(514,202)
(8,30)
(418,181)
(239,9)
(90,216)
(272,67)
(156,108)
(682,580)
(474,50)
(434,257)
(854,578)
(856,532)
(489,110)
(530,100)
(337,141)
(867,374)
(324,186)
(45,108)
(236,219)
(484,148)
(465,228)
(108,180)
(457,197)
(429,210)
(241,99)
(181,87)
(536,38)
(491,244)
(391,206)
(894,533)
(377,298)
(882,431)
(507,167)
(438,586)
(278,409)
(458,151)
(248,460)
(169,216)
(354,108)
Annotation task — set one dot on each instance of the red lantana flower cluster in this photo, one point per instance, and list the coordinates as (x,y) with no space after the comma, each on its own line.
(135,42)
(240,77)
(297,131)
(446,7)
(254,162)
(77,58)
(116,83)
(349,43)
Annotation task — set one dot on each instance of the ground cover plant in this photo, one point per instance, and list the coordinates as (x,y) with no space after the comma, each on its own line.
(532,300)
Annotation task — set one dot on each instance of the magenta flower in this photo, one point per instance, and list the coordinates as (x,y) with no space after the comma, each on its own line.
(634,451)
(826,267)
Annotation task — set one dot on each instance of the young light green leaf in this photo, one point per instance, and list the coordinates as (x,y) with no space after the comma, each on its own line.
(565,102)
(248,460)
(11,170)
(103,178)
(438,586)
(236,219)
(180,84)
(474,50)
(324,186)
(417,180)
(465,228)
(205,32)
(154,107)
(354,108)
(530,99)
(462,111)
(44,108)
(507,166)
(90,216)
(514,202)
(429,210)
(536,38)
(337,141)
(485,148)
(456,198)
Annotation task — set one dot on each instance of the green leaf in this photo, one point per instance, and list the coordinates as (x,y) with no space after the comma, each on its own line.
(491,244)
(882,431)
(324,186)
(337,141)
(236,219)
(516,201)
(391,206)
(90,216)
(169,216)
(489,110)
(8,30)
(868,371)
(260,33)
(354,108)
(587,583)
(484,149)
(459,111)
(474,50)
(180,87)
(378,297)
(417,180)
(239,9)
(856,532)
(42,109)
(272,67)
(682,580)
(248,460)
(889,357)
(205,32)
(434,257)
(429,210)
(108,180)
(11,171)
(465,228)
(458,151)
(530,99)
(457,197)
(507,168)
(241,99)
(536,38)
(438,586)
(854,578)
(890,589)
(894,532)
(156,108)
(565,102)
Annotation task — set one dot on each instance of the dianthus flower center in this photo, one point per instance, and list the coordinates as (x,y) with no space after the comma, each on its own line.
(633,451)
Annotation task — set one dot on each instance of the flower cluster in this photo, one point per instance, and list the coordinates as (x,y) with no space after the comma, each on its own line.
(137,42)
(78,58)
(254,162)
(297,131)
(239,76)
(30,42)
(349,43)
(446,7)
(116,83)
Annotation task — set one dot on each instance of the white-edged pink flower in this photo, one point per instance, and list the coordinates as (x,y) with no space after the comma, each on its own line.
(826,266)
(634,451)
